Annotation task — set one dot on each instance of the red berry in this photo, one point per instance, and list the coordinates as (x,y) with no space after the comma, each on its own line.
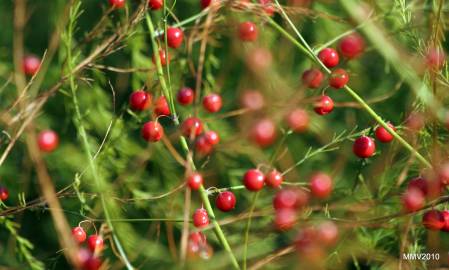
(298,120)
(203,146)
(252,100)
(338,78)
(274,178)
(139,100)
(185,96)
(225,201)
(435,58)
(200,218)
(413,199)
(4,194)
(312,78)
(198,238)
(433,220)
(31,65)
(194,181)
(192,127)
(248,31)
(163,58)
(323,105)
(263,132)
(268,7)
(290,198)
(321,185)
(351,46)
(174,37)
(212,137)
(212,102)
(419,183)
(161,107)
(445,215)
(155,4)
(92,263)
(329,57)
(152,131)
(364,147)
(48,140)
(79,234)
(205,3)
(117,3)
(253,180)
(383,135)
(327,233)
(95,243)
(285,219)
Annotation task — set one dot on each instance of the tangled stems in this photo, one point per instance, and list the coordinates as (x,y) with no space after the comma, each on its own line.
(203,193)
(74,13)
(306,49)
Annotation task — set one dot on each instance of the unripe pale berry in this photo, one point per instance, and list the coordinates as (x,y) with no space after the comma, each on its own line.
(253,180)
(329,57)
(252,100)
(48,140)
(364,147)
(152,131)
(225,201)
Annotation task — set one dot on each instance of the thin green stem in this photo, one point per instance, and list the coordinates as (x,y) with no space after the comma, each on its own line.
(305,48)
(247,228)
(100,185)
(203,193)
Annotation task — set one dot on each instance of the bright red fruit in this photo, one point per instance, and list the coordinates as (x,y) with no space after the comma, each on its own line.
(253,180)
(248,31)
(192,127)
(92,263)
(95,243)
(194,181)
(419,183)
(263,132)
(274,178)
(268,7)
(152,131)
(155,4)
(338,78)
(174,37)
(4,194)
(117,3)
(327,233)
(252,100)
(212,137)
(445,215)
(79,234)
(298,120)
(329,57)
(321,185)
(48,140)
(205,3)
(383,135)
(433,220)
(285,219)
(203,146)
(435,58)
(324,105)
(31,65)
(212,102)
(161,107)
(364,147)
(139,100)
(413,199)
(200,218)
(185,96)
(352,46)
(290,198)
(163,57)
(312,78)
(225,201)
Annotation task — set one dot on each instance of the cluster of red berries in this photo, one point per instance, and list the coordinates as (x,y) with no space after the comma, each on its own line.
(89,258)
(350,47)
(365,146)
